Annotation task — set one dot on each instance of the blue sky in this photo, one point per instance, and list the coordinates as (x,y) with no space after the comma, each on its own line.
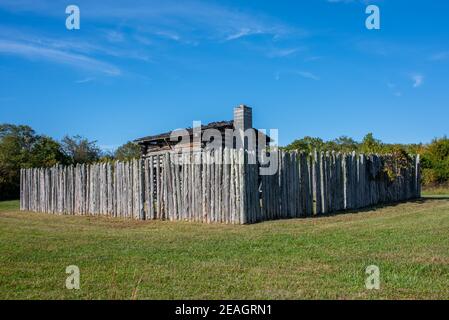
(306,67)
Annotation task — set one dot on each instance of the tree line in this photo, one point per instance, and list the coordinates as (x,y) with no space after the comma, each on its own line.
(22,147)
(434,155)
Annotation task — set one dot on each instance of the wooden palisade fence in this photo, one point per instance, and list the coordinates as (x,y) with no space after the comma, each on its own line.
(218,186)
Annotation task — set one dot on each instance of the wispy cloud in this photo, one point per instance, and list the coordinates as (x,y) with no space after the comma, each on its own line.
(33,52)
(85,80)
(394,89)
(303,74)
(168,34)
(308,75)
(241,33)
(92,44)
(418,80)
(193,19)
(391,85)
(387,48)
(280,53)
(115,36)
(146,30)
(313,58)
(439,56)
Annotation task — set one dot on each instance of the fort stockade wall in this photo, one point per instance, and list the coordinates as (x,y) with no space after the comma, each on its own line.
(220,186)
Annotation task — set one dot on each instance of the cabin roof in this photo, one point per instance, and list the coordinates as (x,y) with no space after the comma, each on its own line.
(213,125)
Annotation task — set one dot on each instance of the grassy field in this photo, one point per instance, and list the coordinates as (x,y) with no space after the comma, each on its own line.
(435,191)
(316,258)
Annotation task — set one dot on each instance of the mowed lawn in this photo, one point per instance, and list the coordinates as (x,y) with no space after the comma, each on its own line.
(315,258)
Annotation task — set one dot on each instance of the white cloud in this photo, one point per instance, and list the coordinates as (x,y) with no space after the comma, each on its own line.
(142,25)
(169,35)
(197,19)
(280,53)
(115,36)
(304,74)
(33,52)
(239,34)
(439,56)
(308,75)
(418,80)
(313,58)
(391,85)
(89,46)
(394,89)
(85,80)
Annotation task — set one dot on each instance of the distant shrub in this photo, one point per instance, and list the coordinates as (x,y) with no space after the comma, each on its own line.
(435,162)
(429,177)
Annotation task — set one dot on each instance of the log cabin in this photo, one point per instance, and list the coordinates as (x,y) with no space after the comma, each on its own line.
(243,120)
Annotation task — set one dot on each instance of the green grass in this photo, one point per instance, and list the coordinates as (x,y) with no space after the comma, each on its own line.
(319,258)
(436,191)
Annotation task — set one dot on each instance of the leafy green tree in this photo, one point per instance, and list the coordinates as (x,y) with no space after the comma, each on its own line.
(346,144)
(25,136)
(128,151)
(20,147)
(435,162)
(12,155)
(16,143)
(371,145)
(308,144)
(80,150)
(46,152)
(106,156)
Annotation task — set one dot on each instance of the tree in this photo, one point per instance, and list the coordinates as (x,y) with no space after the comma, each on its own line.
(24,135)
(346,144)
(371,145)
(46,152)
(80,150)
(308,144)
(106,156)
(20,147)
(128,151)
(435,162)
(12,156)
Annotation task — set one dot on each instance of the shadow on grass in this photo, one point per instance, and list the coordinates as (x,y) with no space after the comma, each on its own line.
(14,205)
(435,197)
(380,206)
(422,200)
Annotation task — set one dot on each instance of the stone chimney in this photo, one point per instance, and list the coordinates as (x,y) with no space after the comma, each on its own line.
(243,117)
